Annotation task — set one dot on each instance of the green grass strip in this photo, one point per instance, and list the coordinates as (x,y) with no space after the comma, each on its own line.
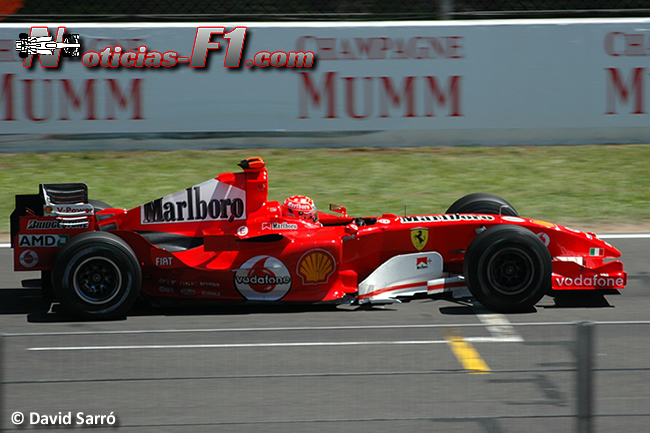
(570,185)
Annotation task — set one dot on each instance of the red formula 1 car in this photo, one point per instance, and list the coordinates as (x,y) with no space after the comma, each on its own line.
(222,240)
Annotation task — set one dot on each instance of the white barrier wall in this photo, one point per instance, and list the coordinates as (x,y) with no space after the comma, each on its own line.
(389,83)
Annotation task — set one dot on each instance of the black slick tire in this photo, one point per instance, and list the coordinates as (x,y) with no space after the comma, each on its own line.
(96,276)
(482,203)
(507,269)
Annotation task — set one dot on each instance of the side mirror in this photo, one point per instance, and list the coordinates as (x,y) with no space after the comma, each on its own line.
(339,209)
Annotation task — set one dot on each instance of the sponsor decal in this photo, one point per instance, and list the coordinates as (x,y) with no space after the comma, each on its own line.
(513,219)
(164,262)
(419,237)
(446,217)
(209,201)
(210,293)
(28,259)
(176,282)
(36,241)
(348,237)
(279,226)
(383,221)
(300,204)
(55,224)
(544,238)
(422,263)
(596,252)
(543,223)
(164,289)
(208,283)
(188,292)
(263,278)
(316,266)
(242,231)
(68,209)
(600,281)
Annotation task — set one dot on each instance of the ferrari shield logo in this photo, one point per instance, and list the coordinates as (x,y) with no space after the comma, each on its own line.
(419,237)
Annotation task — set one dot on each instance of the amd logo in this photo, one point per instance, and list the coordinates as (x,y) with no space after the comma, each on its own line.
(35,241)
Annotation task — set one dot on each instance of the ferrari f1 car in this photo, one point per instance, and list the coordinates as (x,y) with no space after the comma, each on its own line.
(223,240)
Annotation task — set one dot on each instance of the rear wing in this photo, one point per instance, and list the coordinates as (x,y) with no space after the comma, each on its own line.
(66,203)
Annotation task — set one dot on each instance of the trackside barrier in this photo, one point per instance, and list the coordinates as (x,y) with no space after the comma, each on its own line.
(71,374)
(384,83)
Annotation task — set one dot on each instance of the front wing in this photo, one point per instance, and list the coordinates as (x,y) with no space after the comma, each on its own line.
(421,274)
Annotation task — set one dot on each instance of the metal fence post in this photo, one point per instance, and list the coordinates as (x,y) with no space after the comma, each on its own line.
(584,388)
(446,8)
(2,382)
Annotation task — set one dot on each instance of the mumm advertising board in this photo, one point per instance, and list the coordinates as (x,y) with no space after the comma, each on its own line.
(316,84)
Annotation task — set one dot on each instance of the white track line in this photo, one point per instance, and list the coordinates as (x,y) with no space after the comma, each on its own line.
(499,327)
(237,345)
(258,345)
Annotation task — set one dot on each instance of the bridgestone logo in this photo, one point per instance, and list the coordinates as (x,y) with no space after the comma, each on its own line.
(54,225)
(263,281)
(446,217)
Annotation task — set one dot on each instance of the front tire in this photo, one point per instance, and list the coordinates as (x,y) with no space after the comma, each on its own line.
(482,203)
(508,269)
(96,276)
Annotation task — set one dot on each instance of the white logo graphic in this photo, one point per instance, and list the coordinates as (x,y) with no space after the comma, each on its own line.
(263,278)
(28,259)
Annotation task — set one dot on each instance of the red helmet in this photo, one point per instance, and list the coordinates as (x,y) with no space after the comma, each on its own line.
(301,207)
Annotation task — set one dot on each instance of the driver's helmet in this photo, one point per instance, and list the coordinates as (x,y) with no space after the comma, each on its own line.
(301,207)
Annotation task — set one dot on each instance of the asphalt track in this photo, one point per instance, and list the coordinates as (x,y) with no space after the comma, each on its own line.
(408,367)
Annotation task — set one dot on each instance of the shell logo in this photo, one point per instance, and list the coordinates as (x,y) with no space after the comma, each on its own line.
(316,266)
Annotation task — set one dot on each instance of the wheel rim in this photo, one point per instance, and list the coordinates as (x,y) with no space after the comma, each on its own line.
(510,271)
(97,280)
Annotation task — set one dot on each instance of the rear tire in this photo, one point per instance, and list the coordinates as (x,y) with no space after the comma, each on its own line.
(508,269)
(99,205)
(482,203)
(96,276)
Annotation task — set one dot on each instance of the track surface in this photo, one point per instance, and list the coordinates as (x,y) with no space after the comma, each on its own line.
(278,369)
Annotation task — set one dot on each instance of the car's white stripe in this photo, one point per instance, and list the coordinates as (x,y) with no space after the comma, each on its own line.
(606,236)
(625,236)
